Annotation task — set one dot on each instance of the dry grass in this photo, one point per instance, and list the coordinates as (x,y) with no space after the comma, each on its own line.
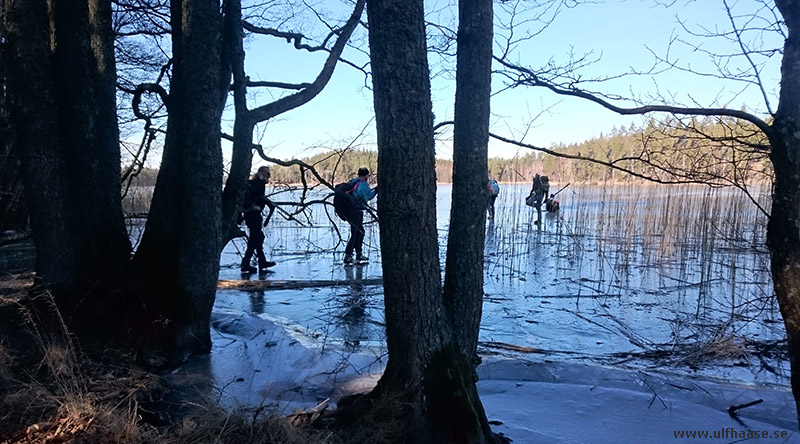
(214,425)
(14,286)
(51,392)
(724,347)
(717,345)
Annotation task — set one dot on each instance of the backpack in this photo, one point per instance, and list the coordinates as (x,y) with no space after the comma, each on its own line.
(344,202)
(545,181)
(494,188)
(552,205)
(529,201)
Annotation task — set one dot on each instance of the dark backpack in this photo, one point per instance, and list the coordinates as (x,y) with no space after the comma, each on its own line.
(344,202)
(545,185)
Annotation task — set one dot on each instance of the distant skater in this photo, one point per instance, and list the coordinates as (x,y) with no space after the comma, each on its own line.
(361,193)
(541,187)
(494,190)
(254,203)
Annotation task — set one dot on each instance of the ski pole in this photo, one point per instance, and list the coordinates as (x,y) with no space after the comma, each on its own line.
(562,189)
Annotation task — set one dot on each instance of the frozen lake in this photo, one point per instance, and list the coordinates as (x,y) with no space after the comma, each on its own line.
(645,277)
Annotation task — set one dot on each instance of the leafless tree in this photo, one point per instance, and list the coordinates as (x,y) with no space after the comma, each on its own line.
(774,134)
(431,330)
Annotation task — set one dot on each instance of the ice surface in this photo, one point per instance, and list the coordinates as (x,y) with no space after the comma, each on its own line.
(261,362)
(610,303)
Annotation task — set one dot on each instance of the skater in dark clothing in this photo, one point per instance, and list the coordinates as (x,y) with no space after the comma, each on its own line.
(541,187)
(362,194)
(254,203)
(494,190)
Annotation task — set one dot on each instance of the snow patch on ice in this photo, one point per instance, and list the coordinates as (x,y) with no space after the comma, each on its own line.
(259,362)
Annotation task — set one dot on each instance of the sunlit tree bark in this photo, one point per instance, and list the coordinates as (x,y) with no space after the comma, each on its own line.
(783,229)
(463,281)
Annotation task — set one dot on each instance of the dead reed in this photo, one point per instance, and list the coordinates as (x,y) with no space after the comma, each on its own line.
(52,392)
(695,255)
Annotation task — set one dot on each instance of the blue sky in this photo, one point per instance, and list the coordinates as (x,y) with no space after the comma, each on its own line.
(615,31)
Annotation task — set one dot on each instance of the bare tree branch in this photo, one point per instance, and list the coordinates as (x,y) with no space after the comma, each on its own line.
(282,85)
(529,78)
(299,98)
(297,40)
(148,87)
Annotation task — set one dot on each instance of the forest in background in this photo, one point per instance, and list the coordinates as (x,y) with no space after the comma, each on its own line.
(700,149)
(637,148)
(642,150)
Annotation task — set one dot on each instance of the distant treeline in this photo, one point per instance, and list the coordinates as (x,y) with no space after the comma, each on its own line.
(333,166)
(340,166)
(146,177)
(697,149)
(700,148)
(708,149)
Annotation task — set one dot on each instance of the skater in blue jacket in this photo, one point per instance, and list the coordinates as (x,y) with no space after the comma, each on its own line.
(362,193)
(494,190)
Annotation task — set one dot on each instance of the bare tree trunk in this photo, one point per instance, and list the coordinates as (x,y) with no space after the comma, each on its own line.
(463,281)
(427,368)
(67,132)
(783,239)
(179,255)
(246,120)
(415,317)
(13,215)
(243,127)
(241,163)
(783,230)
(35,117)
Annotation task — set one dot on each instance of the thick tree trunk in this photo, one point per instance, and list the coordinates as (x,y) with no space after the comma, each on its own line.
(13,215)
(243,127)
(463,281)
(427,369)
(178,259)
(783,230)
(783,239)
(68,139)
(404,122)
(34,111)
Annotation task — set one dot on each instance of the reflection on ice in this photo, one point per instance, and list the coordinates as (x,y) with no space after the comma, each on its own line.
(265,362)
